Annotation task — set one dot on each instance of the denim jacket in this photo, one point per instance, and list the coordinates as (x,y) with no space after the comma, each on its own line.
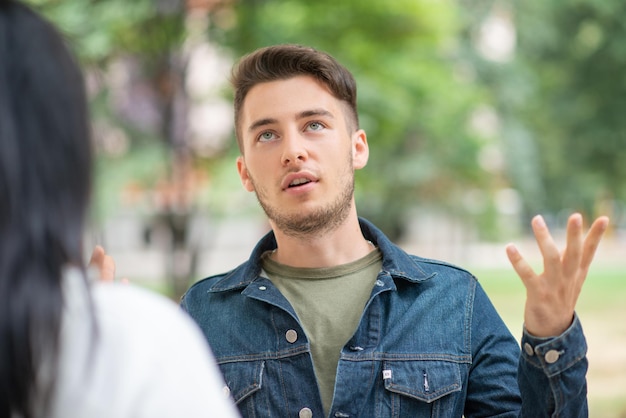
(429,344)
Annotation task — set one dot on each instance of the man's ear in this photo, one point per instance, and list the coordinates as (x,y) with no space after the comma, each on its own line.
(360,149)
(243,174)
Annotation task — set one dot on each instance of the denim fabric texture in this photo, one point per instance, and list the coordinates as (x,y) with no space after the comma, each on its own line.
(429,344)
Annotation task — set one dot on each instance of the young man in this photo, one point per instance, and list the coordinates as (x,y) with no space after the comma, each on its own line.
(329,318)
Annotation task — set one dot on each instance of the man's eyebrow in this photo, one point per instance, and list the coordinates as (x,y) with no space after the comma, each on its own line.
(314,112)
(261,122)
(302,115)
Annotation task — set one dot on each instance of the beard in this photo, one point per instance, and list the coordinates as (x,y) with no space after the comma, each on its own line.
(303,224)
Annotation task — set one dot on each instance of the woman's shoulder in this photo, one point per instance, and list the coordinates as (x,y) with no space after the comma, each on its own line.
(136,306)
(148,325)
(140,349)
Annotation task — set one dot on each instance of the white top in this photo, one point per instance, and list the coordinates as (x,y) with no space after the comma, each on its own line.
(148,358)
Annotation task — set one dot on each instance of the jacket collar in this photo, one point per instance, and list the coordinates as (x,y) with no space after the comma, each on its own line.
(396,261)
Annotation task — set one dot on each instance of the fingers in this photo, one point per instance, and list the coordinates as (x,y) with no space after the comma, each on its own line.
(107,273)
(592,240)
(578,253)
(103,264)
(574,246)
(521,267)
(547,247)
(97,256)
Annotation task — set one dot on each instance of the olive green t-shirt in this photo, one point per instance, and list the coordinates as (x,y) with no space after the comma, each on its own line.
(329,303)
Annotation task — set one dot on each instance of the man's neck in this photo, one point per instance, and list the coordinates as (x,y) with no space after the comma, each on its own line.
(340,245)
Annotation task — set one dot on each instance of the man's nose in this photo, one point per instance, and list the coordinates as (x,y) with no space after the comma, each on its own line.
(294,148)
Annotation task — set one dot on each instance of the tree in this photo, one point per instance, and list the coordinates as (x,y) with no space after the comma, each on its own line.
(571,98)
(145,38)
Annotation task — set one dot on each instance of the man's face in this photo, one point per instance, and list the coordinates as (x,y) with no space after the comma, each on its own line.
(299,155)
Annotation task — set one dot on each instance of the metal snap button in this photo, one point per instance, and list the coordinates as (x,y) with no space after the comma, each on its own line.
(291,336)
(552,356)
(305,413)
(529,349)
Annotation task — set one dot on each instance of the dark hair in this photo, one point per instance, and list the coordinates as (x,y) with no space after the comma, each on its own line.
(281,62)
(45,177)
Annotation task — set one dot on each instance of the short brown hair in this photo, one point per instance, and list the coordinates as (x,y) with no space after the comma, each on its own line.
(281,62)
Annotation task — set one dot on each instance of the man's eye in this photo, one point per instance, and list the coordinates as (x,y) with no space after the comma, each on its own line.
(266,136)
(315,126)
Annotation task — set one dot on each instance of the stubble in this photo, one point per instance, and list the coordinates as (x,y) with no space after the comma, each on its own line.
(303,224)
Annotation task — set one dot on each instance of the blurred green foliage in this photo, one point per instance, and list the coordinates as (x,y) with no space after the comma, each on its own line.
(100,30)
(562,100)
(558,101)
(148,34)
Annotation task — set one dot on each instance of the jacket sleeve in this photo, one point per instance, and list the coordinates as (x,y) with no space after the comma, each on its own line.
(547,378)
(492,389)
(552,374)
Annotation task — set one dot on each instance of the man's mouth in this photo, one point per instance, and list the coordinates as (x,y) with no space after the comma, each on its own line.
(299,182)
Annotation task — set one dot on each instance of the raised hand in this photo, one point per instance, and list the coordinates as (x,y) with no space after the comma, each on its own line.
(552,295)
(103,264)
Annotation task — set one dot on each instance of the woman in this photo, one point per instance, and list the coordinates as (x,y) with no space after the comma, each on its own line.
(69,347)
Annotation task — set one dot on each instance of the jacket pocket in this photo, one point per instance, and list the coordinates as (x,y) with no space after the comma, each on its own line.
(243,378)
(417,386)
